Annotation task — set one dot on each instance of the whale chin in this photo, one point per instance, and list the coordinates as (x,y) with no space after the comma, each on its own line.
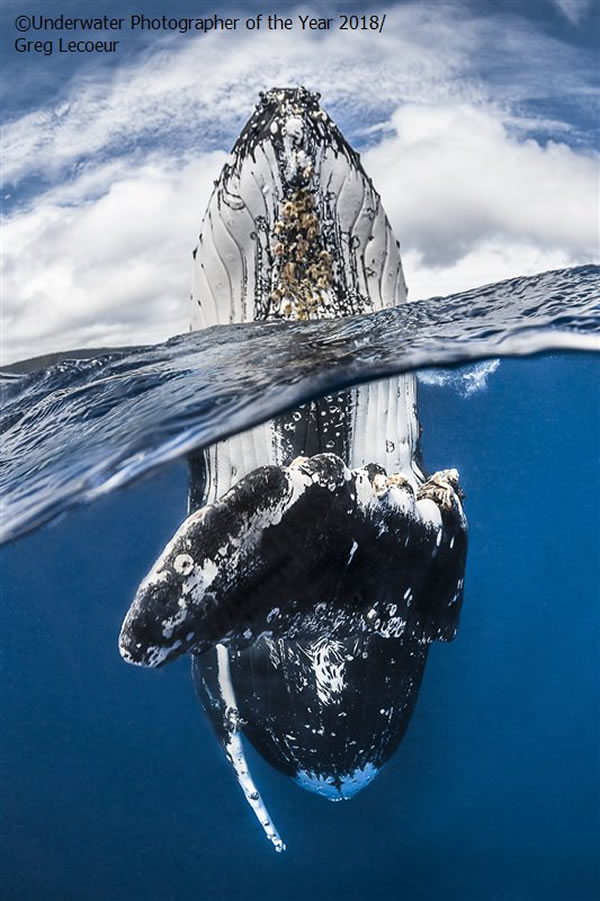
(334,787)
(327,713)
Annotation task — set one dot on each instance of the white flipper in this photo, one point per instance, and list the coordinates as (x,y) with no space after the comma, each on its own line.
(234,749)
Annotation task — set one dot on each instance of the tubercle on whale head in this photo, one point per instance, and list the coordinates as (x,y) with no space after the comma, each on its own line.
(292,119)
(294,228)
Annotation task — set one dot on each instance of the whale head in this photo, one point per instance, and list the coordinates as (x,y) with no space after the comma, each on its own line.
(294,228)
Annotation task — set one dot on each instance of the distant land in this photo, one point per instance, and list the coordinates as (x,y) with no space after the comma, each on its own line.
(44,360)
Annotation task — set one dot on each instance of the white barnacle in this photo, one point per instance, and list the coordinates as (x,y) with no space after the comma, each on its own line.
(294,127)
(183,564)
(380,485)
(299,461)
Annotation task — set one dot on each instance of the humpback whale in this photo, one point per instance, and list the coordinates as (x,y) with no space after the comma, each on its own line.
(318,562)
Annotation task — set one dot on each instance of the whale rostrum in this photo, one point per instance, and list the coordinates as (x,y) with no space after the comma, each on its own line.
(318,562)
(294,228)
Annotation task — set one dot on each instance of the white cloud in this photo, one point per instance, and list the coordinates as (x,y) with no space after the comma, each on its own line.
(466,196)
(193,90)
(490,261)
(112,270)
(162,93)
(101,253)
(574,10)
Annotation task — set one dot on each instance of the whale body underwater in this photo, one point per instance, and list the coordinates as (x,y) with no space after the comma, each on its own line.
(318,562)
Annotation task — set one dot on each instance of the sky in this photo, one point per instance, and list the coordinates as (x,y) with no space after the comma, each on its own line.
(476,120)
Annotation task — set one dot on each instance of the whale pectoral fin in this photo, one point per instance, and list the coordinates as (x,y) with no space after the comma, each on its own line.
(220,703)
(231,562)
(289,549)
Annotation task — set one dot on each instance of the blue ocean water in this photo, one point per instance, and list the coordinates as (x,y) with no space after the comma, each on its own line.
(114,786)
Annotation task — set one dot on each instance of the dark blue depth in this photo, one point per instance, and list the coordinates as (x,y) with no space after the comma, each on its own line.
(114,788)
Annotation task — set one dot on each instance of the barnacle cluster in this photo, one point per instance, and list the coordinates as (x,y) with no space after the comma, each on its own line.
(303,266)
(383,483)
(443,488)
